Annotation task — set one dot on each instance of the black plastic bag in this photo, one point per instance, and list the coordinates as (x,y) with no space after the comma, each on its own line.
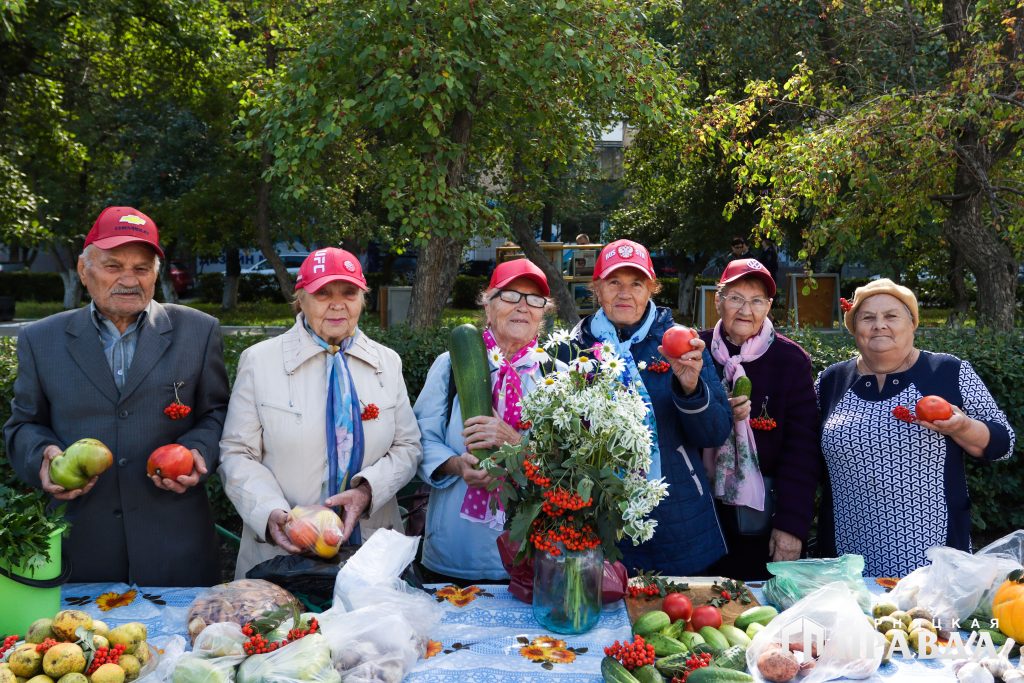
(311,579)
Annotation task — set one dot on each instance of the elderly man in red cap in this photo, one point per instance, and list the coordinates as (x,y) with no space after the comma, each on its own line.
(137,375)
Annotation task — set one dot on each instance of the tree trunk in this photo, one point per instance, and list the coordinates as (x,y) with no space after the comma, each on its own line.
(439,259)
(166,286)
(72,288)
(958,288)
(547,221)
(523,234)
(436,268)
(232,277)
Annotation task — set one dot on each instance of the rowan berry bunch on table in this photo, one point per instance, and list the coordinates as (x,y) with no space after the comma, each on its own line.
(8,643)
(105,655)
(649,590)
(45,645)
(257,643)
(696,661)
(632,655)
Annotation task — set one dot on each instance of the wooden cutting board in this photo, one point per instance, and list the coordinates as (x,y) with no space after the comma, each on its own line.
(700,593)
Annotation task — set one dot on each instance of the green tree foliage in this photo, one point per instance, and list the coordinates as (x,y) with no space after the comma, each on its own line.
(436,106)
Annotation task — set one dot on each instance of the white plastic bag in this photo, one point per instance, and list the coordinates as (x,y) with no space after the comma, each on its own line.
(955,584)
(792,580)
(220,640)
(195,668)
(172,648)
(370,578)
(371,644)
(306,660)
(829,623)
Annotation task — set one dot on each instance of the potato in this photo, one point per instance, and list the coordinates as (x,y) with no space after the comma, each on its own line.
(778,665)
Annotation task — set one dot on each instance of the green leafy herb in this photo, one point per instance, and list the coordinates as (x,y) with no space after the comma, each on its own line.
(25,528)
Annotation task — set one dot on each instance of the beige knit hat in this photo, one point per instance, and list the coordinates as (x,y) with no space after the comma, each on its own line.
(881,286)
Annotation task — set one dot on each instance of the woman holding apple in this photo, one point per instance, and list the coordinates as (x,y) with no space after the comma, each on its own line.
(687,407)
(766,474)
(318,416)
(897,484)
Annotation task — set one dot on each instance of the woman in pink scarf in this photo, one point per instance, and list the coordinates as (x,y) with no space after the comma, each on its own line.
(459,543)
(764,477)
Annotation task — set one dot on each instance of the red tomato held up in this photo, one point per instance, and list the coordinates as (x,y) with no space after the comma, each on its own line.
(170,461)
(676,340)
(677,606)
(932,408)
(706,615)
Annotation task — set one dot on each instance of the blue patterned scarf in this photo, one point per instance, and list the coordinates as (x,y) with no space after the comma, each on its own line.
(602,328)
(344,420)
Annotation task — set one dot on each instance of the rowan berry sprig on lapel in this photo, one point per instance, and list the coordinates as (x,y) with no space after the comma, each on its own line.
(370,412)
(177,410)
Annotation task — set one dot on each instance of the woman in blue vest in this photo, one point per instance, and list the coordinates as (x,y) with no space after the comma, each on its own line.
(688,409)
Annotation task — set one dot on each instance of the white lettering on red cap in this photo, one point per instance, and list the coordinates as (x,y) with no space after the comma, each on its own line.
(320,261)
(609,255)
(349,267)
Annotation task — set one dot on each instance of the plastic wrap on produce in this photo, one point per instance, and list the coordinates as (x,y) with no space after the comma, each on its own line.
(793,580)
(306,660)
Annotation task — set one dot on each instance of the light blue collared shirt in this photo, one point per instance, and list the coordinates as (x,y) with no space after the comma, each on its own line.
(117,347)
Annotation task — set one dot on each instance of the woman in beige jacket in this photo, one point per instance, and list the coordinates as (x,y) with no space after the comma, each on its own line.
(275,450)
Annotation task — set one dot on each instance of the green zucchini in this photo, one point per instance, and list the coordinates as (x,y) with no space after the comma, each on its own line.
(761,614)
(472,374)
(691,639)
(651,622)
(714,674)
(612,671)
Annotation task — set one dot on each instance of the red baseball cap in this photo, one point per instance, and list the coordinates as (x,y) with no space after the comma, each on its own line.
(521,267)
(328,265)
(622,253)
(117,225)
(748,266)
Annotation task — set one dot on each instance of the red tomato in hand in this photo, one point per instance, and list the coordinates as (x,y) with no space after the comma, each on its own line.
(706,615)
(676,340)
(932,408)
(677,606)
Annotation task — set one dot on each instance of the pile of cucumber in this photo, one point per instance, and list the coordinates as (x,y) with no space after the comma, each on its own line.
(674,645)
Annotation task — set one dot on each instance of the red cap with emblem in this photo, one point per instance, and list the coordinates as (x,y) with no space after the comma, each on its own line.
(118,225)
(748,267)
(620,254)
(328,265)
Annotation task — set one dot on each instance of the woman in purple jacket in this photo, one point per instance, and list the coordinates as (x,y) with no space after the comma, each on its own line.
(765,475)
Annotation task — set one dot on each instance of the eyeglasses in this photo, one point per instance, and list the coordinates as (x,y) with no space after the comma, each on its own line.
(512,296)
(736,301)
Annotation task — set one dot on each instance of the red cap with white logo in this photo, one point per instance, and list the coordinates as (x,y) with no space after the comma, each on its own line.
(118,225)
(622,253)
(328,265)
(748,267)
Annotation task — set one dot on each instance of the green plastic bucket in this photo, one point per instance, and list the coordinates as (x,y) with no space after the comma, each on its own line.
(27,596)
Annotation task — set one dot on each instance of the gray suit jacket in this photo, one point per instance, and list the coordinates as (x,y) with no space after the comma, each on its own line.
(125,529)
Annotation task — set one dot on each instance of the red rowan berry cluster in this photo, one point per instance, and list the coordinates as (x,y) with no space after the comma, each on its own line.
(559,501)
(257,644)
(632,655)
(903,413)
(659,366)
(548,540)
(692,664)
(765,424)
(648,590)
(45,645)
(523,425)
(177,411)
(8,643)
(532,473)
(297,633)
(370,412)
(105,655)
(845,305)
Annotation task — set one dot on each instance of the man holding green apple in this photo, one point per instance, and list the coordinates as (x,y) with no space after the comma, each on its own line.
(134,375)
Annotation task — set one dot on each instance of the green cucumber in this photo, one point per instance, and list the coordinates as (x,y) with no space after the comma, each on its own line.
(664,645)
(734,657)
(742,386)
(714,674)
(648,674)
(613,672)
(734,635)
(472,373)
(753,628)
(672,665)
(651,622)
(761,614)
(691,639)
(713,637)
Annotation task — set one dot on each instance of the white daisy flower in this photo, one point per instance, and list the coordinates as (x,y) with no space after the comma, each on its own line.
(539,355)
(495,357)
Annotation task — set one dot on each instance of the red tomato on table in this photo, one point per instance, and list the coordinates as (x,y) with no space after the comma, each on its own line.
(676,340)
(677,606)
(706,615)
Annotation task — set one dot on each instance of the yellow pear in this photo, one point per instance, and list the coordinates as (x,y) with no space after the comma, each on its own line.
(74,678)
(63,658)
(131,666)
(65,624)
(24,661)
(129,635)
(108,673)
(40,630)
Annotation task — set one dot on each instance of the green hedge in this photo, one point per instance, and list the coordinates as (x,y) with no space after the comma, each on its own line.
(28,286)
(997,490)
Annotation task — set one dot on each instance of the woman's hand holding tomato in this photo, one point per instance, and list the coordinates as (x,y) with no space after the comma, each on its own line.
(684,351)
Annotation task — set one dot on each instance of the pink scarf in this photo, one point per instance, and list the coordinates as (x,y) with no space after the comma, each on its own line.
(507,397)
(733,467)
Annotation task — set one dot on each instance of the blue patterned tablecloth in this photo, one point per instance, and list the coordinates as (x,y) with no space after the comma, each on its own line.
(485,635)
